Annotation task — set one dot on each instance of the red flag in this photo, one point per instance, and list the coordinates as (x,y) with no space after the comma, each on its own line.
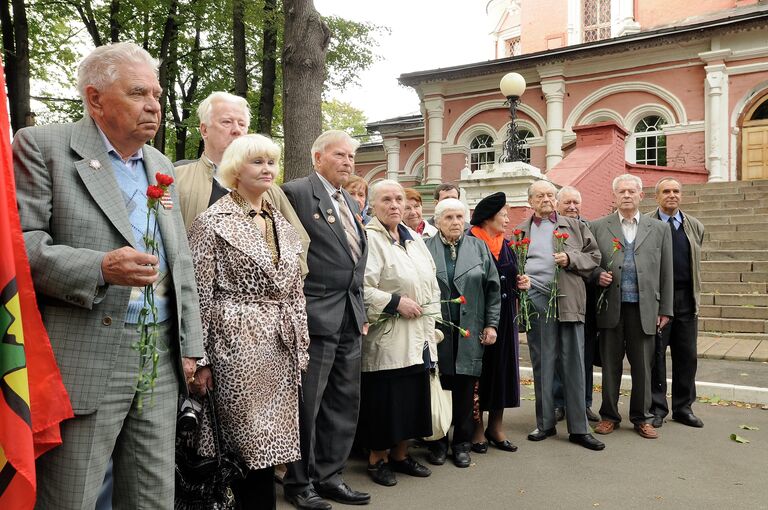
(33,400)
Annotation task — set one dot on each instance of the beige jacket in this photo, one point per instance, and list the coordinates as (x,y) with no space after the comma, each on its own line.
(404,271)
(193,184)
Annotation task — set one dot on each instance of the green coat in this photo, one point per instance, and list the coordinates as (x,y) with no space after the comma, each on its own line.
(475,278)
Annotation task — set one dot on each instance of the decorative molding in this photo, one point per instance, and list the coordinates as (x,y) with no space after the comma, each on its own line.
(373,171)
(638,86)
(600,115)
(638,112)
(412,160)
(757,67)
(692,127)
(475,130)
(493,104)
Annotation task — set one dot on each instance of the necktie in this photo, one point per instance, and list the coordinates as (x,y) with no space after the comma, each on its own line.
(552,217)
(671,221)
(353,239)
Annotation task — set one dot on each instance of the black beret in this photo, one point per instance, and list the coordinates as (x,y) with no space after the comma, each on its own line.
(488,207)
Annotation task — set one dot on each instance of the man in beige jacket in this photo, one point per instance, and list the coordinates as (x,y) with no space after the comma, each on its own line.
(224,117)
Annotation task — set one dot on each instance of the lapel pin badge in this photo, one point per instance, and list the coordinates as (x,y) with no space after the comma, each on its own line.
(316,216)
(95,164)
(329,211)
(166,201)
(331,219)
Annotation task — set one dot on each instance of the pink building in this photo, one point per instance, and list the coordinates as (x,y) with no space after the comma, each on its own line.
(681,89)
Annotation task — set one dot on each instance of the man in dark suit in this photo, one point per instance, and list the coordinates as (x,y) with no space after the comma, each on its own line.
(638,304)
(83,210)
(336,316)
(682,332)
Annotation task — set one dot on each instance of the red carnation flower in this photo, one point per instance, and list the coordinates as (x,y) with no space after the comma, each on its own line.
(517,232)
(564,235)
(462,300)
(155,192)
(526,240)
(163,179)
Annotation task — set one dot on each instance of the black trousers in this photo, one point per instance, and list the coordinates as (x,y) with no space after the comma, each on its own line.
(257,490)
(680,336)
(462,398)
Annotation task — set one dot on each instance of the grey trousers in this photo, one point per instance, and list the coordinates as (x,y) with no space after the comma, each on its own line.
(328,410)
(141,444)
(553,343)
(627,338)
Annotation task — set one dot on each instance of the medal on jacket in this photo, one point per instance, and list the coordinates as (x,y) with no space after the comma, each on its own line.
(95,164)
(331,219)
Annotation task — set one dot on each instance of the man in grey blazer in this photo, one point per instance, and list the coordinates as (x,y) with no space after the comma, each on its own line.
(638,302)
(81,194)
(335,315)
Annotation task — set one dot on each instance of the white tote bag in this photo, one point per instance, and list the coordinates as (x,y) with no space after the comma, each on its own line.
(442,409)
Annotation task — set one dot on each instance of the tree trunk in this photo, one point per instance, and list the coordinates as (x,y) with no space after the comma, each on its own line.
(16,61)
(114,22)
(238,48)
(85,10)
(268,70)
(305,45)
(188,96)
(166,75)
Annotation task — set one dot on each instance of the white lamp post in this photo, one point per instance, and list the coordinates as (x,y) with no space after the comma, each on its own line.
(512,87)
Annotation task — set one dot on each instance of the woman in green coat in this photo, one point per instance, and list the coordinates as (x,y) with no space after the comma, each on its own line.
(464,267)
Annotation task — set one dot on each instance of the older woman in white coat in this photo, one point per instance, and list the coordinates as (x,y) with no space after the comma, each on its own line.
(401,298)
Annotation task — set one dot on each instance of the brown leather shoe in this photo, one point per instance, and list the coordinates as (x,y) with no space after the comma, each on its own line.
(646,430)
(605,427)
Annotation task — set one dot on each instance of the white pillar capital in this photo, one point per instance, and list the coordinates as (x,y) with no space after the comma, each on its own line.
(392,149)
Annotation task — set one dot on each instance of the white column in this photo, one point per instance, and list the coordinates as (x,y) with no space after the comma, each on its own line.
(554,92)
(623,18)
(392,148)
(435,108)
(716,112)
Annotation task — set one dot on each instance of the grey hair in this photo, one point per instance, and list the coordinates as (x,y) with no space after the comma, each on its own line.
(665,179)
(534,183)
(329,137)
(627,177)
(568,189)
(373,193)
(448,203)
(99,68)
(206,106)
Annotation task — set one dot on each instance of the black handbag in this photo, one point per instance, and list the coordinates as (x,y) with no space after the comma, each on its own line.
(205,483)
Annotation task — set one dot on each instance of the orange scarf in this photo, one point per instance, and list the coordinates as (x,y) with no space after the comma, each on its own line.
(494,243)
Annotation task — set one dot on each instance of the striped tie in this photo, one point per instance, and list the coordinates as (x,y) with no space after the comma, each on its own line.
(353,239)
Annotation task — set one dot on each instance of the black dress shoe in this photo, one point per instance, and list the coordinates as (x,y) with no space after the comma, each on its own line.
(540,435)
(505,445)
(409,466)
(587,441)
(658,421)
(307,500)
(480,447)
(343,493)
(436,455)
(461,456)
(689,419)
(381,473)
(591,416)
(559,413)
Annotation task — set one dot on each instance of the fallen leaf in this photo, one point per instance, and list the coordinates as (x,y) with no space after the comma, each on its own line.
(739,439)
(749,427)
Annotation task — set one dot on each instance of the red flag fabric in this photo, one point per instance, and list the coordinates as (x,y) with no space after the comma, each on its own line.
(33,400)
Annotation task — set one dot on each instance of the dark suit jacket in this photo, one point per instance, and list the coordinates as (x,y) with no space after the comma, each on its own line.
(72,212)
(334,278)
(653,260)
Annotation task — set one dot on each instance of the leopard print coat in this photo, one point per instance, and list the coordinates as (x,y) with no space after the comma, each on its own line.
(254,333)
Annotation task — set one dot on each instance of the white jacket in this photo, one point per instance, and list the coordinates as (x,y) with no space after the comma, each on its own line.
(397,342)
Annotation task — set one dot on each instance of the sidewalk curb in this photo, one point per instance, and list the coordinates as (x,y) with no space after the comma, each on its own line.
(749,394)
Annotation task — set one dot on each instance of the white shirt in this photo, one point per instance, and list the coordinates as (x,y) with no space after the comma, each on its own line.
(331,193)
(629,226)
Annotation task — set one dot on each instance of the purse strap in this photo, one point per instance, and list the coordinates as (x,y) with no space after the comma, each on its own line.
(217,440)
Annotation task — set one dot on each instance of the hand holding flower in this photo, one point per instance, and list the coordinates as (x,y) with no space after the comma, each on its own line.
(408,308)
(523,282)
(606,277)
(561,259)
(129,267)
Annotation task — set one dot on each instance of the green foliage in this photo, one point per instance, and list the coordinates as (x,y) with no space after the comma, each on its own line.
(59,39)
(341,115)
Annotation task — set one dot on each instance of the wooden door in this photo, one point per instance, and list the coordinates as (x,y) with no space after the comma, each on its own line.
(754,152)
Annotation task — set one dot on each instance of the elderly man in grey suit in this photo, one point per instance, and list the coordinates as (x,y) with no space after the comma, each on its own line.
(638,298)
(335,315)
(681,334)
(83,208)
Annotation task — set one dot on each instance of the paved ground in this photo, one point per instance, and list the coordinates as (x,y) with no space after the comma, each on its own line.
(685,468)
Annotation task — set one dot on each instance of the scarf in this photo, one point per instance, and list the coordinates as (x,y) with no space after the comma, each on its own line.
(494,242)
(451,245)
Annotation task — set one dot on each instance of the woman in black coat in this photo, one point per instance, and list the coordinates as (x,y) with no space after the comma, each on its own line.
(499,385)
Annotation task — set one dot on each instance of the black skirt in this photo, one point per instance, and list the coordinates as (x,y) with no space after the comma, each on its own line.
(394,406)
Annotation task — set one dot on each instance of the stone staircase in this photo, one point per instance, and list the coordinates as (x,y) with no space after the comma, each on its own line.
(734,311)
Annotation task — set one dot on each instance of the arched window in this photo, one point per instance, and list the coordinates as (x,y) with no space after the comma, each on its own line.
(650,143)
(481,153)
(523,135)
